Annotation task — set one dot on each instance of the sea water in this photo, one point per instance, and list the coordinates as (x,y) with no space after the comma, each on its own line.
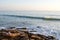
(41,26)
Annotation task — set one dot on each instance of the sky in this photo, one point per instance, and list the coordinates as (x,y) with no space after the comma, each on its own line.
(49,5)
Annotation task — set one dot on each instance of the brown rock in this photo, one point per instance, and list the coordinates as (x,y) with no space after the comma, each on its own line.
(22,34)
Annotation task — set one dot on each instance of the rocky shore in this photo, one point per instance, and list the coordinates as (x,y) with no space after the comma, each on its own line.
(22,34)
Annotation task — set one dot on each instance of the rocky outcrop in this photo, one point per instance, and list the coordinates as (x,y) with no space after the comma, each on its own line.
(22,34)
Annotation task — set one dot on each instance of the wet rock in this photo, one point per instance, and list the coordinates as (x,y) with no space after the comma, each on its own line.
(38,27)
(22,34)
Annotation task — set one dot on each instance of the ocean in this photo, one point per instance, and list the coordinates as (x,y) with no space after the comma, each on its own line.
(45,23)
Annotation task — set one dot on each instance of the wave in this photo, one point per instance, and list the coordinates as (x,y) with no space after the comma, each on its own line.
(44,18)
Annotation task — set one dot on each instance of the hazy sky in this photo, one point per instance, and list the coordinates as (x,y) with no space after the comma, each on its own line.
(52,5)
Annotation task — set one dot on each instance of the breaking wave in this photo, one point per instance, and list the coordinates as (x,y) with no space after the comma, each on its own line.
(32,17)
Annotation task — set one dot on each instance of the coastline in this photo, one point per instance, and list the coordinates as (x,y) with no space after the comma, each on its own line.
(13,33)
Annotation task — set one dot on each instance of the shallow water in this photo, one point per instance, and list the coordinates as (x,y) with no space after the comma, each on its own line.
(45,27)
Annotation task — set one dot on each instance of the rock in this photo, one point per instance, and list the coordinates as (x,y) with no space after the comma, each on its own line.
(38,26)
(22,34)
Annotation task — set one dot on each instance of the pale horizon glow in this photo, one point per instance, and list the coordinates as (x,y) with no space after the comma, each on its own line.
(49,5)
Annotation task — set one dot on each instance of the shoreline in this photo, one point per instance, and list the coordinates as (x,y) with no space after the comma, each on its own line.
(13,33)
